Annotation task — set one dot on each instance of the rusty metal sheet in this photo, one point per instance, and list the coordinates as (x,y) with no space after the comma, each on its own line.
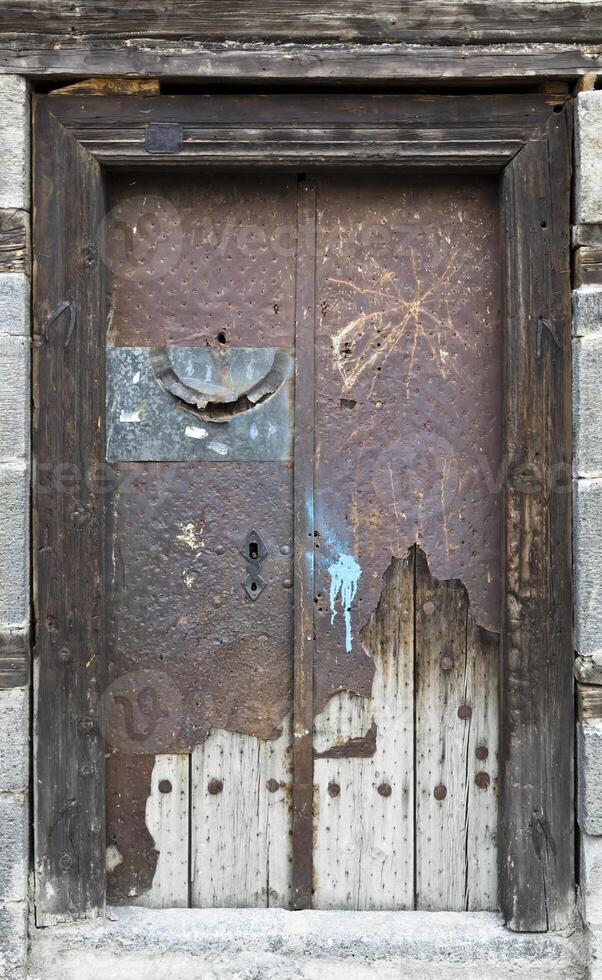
(199,403)
(408,401)
(190,650)
(201,261)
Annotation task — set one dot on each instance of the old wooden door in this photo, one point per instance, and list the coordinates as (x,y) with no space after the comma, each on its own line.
(304,425)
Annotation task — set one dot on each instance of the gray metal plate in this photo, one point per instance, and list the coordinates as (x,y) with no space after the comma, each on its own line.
(147,422)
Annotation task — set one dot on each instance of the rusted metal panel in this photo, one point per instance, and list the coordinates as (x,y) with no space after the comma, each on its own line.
(408,401)
(202,261)
(199,403)
(191,651)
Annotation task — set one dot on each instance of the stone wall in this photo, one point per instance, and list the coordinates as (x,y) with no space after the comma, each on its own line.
(15,344)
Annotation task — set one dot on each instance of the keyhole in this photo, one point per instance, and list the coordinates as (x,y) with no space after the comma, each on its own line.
(253,552)
(253,586)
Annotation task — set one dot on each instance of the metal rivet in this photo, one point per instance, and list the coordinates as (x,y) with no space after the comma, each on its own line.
(165,786)
(428,608)
(333,789)
(219,549)
(65,862)
(287,584)
(64,655)
(86,770)
(482,779)
(384,789)
(464,712)
(215,786)
(86,724)
(481,752)
(273,785)
(285,549)
(440,792)
(446,662)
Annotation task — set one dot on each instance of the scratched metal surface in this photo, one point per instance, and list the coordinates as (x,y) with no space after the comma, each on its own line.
(408,401)
(192,261)
(190,650)
(148,421)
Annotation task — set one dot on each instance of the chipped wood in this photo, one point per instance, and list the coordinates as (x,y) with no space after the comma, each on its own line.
(110,86)
(197,61)
(589,702)
(431,21)
(241,821)
(364,807)
(14,241)
(587,266)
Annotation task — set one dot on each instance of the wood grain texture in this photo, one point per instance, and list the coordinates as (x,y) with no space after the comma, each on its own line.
(14,658)
(167,813)
(587,266)
(397,130)
(364,807)
(458,21)
(589,702)
(537,721)
(457,665)
(66,56)
(14,241)
(68,519)
(240,821)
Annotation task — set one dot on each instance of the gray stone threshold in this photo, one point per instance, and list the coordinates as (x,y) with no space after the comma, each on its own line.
(273,944)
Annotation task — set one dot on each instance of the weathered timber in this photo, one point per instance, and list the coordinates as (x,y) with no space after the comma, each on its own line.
(352,20)
(110,86)
(14,241)
(66,56)
(456,762)
(452,131)
(536,846)
(167,820)
(589,702)
(364,807)
(68,527)
(587,266)
(304,638)
(241,821)
(586,235)
(14,658)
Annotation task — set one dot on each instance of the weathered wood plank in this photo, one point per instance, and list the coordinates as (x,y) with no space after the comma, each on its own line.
(68,520)
(589,702)
(457,21)
(167,811)
(536,844)
(587,266)
(14,241)
(364,802)
(195,61)
(14,658)
(240,828)
(456,714)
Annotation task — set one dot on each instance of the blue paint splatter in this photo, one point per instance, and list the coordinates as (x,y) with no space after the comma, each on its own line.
(344,576)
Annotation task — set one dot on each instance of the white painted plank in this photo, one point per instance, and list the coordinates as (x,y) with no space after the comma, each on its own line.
(167,821)
(363,812)
(240,829)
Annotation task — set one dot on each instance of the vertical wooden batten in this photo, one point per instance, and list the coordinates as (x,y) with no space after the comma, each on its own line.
(303,666)
(68,526)
(537,710)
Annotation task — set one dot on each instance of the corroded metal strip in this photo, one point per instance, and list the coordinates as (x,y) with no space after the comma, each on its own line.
(304,549)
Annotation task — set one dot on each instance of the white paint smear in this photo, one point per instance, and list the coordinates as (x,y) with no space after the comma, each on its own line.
(219,447)
(253,431)
(136,378)
(344,576)
(194,432)
(129,416)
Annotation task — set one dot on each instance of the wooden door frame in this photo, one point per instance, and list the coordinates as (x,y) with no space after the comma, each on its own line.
(524,138)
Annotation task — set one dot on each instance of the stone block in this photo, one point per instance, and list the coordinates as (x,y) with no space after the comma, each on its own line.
(14,844)
(14,544)
(14,142)
(13,941)
(588,158)
(14,740)
(589,777)
(14,397)
(15,304)
(587,311)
